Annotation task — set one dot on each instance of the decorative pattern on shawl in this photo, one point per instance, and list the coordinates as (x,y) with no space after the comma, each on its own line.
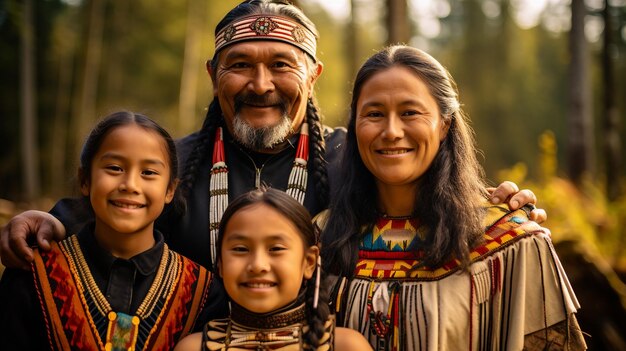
(514,286)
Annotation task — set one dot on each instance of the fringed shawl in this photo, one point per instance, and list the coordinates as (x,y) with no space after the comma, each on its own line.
(515,286)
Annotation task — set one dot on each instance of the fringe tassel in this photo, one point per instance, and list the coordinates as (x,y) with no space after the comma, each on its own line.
(218,191)
(298,178)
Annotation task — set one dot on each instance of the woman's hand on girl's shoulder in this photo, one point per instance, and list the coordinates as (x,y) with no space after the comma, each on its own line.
(191,342)
(347,339)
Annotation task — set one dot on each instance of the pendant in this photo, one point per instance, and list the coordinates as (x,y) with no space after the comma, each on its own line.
(257,180)
(121,332)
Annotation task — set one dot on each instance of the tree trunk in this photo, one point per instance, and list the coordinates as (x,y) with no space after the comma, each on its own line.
(397,22)
(580,123)
(28,127)
(612,142)
(189,77)
(118,27)
(352,41)
(60,126)
(86,112)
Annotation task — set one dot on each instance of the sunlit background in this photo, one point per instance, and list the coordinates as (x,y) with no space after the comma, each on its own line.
(542,80)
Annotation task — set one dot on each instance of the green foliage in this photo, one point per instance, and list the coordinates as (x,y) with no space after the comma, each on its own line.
(513,82)
(584,215)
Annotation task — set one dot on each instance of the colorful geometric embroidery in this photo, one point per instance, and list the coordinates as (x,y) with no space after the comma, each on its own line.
(78,316)
(391,251)
(396,235)
(266,27)
(122,332)
(229,33)
(444,308)
(263,26)
(299,35)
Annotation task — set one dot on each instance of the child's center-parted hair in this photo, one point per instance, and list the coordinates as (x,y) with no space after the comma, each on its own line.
(116,120)
(119,119)
(300,217)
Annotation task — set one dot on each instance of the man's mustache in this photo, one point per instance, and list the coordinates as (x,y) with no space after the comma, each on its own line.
(252,99)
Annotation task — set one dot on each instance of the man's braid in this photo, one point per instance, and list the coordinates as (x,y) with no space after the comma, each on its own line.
(318,152)
(202,148)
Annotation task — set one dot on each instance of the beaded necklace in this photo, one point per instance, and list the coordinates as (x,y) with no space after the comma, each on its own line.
(218,188)
(283,329)
(123,329)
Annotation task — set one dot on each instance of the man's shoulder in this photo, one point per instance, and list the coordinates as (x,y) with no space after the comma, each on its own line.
(334,133)
(188,141)
(335,138)
(185,145)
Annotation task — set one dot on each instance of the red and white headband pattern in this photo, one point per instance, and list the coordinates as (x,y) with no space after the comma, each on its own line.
(267,27)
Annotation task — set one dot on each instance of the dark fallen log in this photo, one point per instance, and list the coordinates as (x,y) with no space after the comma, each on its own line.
(601,293)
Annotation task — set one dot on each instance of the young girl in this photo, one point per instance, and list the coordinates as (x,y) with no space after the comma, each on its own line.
(268,260)
(115,285)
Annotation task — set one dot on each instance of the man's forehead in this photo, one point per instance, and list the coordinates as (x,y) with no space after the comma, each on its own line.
(267,48)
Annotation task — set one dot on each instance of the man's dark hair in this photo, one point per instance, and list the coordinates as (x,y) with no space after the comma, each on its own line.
(202,149)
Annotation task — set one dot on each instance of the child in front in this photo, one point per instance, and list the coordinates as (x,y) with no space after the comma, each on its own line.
(115,285)
(268,259)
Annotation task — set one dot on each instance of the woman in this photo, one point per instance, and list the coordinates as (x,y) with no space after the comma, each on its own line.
(423,263)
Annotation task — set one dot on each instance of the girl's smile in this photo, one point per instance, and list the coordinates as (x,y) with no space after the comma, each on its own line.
(264,259)
(128,187)
(127,204)
(259,285)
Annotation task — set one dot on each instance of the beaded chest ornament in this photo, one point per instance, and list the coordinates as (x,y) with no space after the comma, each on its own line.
(218,188)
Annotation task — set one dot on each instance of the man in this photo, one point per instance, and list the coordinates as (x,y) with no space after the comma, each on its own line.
(262,126)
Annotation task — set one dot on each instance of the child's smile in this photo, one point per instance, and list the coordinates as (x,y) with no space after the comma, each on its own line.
(129,186)
(262,284)
(127,204)
(263,259)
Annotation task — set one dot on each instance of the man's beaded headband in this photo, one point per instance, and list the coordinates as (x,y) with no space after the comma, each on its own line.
(267,27)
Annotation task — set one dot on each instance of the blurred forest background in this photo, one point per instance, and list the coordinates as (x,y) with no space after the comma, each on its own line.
(542,80)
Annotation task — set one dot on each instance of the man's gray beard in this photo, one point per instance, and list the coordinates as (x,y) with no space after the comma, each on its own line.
(264,137)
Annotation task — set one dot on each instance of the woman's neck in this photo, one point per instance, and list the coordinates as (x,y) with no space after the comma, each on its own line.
(396,201)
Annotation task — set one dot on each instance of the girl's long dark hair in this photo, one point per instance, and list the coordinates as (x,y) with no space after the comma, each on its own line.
(202,149)
(449,201)
(120,119)
(301,219)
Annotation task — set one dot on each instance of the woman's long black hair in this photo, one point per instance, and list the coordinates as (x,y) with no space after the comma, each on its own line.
(449,201)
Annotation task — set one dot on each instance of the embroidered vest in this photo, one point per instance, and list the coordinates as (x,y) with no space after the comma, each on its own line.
(79,317)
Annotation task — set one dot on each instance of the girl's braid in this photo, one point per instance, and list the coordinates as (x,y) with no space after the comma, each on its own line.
(316,317)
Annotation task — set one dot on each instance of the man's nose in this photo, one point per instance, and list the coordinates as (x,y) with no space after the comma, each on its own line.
(262,82)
